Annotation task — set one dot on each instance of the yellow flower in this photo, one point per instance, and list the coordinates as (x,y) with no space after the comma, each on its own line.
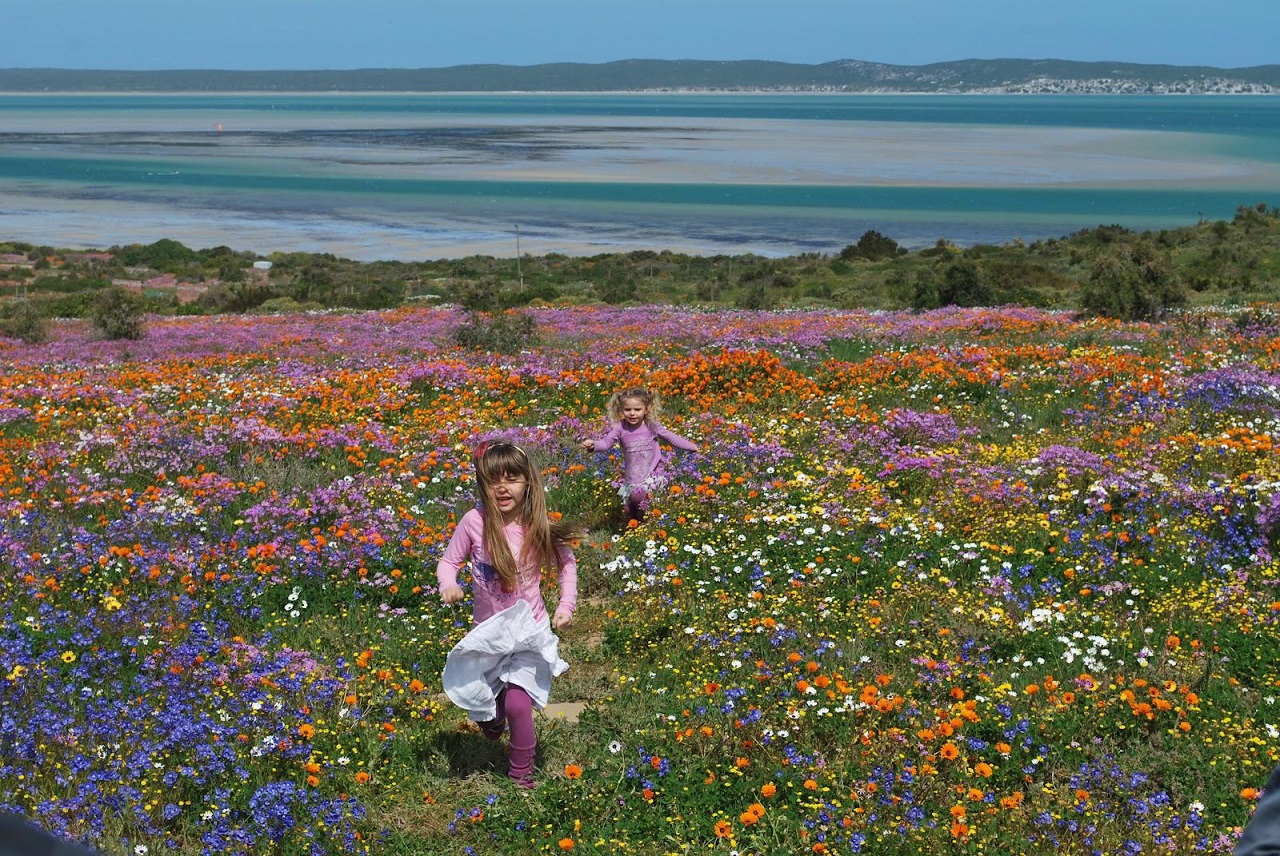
(68,656)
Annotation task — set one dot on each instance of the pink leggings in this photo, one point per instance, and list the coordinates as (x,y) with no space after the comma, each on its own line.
(516,708)
(637,501)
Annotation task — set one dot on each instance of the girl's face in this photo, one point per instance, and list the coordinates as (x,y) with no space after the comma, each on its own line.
(506,495)
(633,411)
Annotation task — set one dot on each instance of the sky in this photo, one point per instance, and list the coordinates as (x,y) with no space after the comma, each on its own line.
(343,34)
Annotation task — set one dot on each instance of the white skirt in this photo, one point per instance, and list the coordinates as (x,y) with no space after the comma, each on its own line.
(509,647)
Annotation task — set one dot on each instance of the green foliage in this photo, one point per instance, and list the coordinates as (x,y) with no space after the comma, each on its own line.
(27,323)
(117,314)
(67,284)
(1236,260)
(1136,283)
(963,285)
(238,297)
(164,254)
(617,290)
(872,246)
(500,333)
(756,297)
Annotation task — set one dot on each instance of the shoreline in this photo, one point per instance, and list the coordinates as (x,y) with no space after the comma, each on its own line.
(676,92)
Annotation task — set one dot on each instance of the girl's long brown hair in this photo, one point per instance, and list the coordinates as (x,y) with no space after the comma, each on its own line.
(542,536)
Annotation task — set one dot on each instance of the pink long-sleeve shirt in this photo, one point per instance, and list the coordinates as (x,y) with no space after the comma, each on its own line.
(486,589)
(643,456)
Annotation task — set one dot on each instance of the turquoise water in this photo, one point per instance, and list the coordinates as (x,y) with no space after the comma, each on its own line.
(416,176)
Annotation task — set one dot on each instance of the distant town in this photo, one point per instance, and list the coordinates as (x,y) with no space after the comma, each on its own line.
(997,76)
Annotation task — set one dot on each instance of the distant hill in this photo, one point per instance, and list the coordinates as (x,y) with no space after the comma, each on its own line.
(996,75)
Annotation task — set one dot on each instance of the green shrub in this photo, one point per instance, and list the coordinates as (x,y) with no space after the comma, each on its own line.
(117,314)
(963,285)
(28,323)
(500,333)
(872,246)
(1133,284)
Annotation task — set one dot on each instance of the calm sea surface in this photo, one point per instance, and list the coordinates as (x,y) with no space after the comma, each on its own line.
(426,176)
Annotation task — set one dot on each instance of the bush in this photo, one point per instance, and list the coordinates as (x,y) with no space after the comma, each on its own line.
(117,314)
(27,322)
(165,254)
(963,285)
(756,297)
(501,333)
(1135,284)
(872,246)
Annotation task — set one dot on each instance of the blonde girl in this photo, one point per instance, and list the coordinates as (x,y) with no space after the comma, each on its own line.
(636,429)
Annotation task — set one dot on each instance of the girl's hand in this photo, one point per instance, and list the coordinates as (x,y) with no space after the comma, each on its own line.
(561,620)
(450,595)
(588,445)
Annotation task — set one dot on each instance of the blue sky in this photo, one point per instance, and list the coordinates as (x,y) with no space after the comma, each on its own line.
(314,34)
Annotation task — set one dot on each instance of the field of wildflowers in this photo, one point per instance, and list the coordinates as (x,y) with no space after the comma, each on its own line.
(963,581)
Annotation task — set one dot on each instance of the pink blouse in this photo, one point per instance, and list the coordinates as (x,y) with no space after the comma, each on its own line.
(486,589)
(643,455)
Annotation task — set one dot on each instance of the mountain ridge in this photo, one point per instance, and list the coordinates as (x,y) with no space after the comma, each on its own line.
(845,75)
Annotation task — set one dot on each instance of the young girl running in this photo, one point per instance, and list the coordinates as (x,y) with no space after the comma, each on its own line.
(636,428)
(502,669)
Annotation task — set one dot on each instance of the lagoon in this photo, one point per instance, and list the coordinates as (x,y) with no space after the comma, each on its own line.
(432,176)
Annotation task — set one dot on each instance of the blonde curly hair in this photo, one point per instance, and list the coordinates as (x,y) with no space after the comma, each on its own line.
(652,403)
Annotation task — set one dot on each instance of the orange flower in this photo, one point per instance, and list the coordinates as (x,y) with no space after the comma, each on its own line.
(566,843)
(757,809)
(810,785)
(983,769)
(748,819)
(723,829)
(741,763)
(949,751)
(572,771)
(1249,793)
(362,777)
(306,731)
(768,789)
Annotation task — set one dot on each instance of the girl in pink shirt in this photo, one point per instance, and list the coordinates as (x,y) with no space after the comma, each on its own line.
(636,428)
(510,541)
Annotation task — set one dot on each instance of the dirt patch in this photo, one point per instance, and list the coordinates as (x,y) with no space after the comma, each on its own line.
(566,711)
